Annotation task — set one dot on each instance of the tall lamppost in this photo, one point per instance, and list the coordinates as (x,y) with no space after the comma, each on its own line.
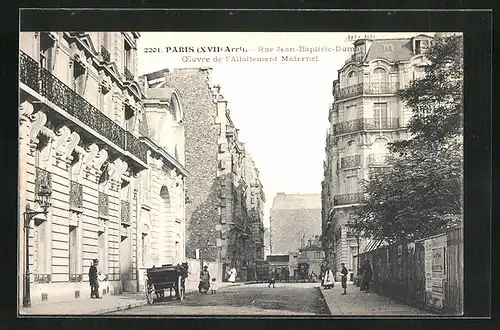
(44,201)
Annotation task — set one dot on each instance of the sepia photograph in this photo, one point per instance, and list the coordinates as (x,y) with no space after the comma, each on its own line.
(169,173)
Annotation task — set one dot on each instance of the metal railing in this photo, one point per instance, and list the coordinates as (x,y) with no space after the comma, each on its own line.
(350,161)
(378,159)
(63,96)
(366,124)
(43,178)
(347,199)
(125,212)
(374,88)
(106,56)
(103,207)
(75,195)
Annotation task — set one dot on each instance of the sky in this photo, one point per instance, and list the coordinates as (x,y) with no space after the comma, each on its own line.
(280,107)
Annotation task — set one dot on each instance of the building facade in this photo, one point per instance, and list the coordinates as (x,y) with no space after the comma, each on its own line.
(365,116)
(224,195)
(294,217)
(81,117)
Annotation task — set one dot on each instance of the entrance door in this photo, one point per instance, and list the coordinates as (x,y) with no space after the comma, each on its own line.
(125,262)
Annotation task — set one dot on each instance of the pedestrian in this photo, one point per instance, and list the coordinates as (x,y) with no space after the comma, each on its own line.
(367,276)
(328,280)
(204,281)
(94,280)
(272,278)
(213,286)
(232,275)
(343,278)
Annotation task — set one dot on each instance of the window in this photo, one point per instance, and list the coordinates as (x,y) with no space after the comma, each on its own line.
(350,148)
(79,77)
(144,249)
(351,112)
(352,181)
(352,78)
(317,255)
(379,76)
(129,119)
(73,253)
(417,47)
(380,114)
(40,247)
(47,46)
(101,247)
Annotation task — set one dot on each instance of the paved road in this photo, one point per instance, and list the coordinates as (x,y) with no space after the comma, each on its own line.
(254,299)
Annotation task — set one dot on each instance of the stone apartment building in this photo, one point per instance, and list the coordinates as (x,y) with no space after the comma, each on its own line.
(365,116)
(294,217)
(87,136)
(224,195)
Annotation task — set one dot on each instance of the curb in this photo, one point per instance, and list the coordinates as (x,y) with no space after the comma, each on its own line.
(122,308)
(324,299)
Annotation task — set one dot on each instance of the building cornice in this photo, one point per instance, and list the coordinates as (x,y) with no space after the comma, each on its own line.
(166,156)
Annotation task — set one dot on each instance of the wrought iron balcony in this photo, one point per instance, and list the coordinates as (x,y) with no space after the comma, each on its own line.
(103,204)
(60,94)
(366,89)
(43,178)
(378,159)
(105,54)
(128,75)
(125,212)
(75,195)
(75,277)
(29,72)
(350,161)
(366,124)
(348,199)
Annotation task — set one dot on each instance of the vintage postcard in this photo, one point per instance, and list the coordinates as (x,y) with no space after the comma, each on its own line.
(240,173)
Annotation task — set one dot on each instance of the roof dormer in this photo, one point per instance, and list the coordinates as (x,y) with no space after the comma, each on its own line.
(420,44)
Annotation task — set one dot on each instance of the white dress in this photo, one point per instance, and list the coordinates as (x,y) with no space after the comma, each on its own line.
(329,280)
(232,275)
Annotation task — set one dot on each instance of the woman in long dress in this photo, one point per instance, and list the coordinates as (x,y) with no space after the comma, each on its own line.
(232,275)
(328,280)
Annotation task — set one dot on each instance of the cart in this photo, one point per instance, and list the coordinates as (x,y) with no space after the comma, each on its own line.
(159,279)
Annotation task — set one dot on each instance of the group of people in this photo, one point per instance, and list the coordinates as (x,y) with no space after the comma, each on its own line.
(207,283)
(328,280)
(365,273)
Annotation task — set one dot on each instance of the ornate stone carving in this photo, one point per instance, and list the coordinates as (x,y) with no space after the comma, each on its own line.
(62,136)
(38,120)
(118,169)
(99,160)
(88,158)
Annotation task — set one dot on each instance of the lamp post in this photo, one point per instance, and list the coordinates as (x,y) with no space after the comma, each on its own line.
(44,201)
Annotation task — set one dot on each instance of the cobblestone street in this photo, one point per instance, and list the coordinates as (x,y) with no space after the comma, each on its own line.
(255,299)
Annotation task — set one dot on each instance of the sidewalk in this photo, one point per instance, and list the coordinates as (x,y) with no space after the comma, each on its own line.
(108,304)
(365,304)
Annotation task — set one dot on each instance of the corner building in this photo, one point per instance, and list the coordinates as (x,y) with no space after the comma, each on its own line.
(365,116)
(83,134)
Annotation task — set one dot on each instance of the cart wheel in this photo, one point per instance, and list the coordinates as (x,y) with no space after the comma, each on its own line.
(181,290)
(149,294)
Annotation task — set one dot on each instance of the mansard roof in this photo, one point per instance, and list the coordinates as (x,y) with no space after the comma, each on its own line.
(393,50)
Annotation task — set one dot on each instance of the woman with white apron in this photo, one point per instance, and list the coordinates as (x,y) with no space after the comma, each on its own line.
(328,280)
(232,275)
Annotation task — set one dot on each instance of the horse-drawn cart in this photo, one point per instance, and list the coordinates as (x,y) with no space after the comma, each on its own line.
(159,279)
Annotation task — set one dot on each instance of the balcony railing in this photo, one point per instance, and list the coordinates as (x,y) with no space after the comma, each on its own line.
(42,178)
(63,96)
(103,204)
(29,72)
(75,195)
(366,89)
(128,75)
(125,212)
(350,161)
(347,199)
(105,54)
(366,124)
(378,159)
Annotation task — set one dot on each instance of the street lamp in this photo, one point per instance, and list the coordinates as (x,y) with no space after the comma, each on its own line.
(44,202)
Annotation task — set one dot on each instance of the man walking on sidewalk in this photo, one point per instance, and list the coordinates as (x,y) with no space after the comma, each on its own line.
(94,280)
(343,277)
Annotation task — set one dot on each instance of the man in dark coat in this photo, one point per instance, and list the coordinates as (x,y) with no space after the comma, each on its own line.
(343,277)
(367,276)
(94,280)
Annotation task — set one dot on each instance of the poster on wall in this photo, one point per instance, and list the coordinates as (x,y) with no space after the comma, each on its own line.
(435,271)
(428,266)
